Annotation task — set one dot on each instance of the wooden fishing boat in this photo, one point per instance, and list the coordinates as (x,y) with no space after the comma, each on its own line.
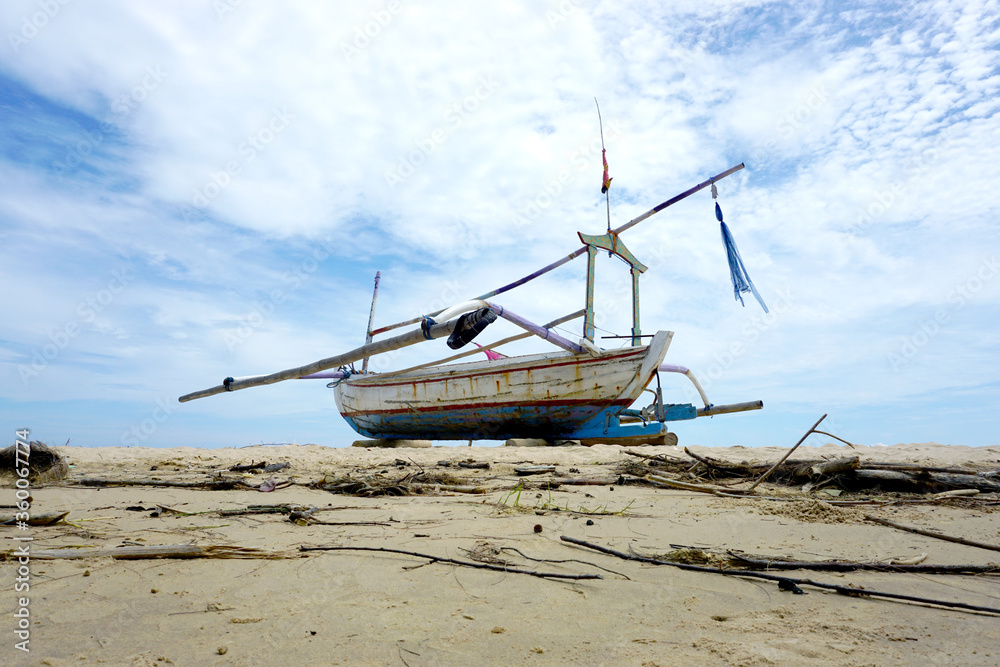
(553,396)
(581,392)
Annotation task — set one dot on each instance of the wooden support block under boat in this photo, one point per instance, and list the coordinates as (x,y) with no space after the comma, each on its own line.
(667,439)
(539,442)
(391,443)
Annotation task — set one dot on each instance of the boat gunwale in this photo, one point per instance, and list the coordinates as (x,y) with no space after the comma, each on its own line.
(491,367)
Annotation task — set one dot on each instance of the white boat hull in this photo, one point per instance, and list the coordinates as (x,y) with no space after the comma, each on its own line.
(556,395)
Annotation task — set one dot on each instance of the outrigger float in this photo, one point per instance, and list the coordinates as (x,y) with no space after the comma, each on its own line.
(580,392)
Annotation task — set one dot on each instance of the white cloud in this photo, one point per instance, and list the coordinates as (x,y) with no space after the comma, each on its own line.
(439,144)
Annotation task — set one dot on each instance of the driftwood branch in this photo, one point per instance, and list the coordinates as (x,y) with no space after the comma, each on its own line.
(594,481)
(835,466)
(212,484)
(787,454)
(154,551)
(453,561)
(248,467)
(708,462)
(659,459)
(965,481)
(534,470)
(935,534)
(46,519)
(317,522)
(848,566)
(257,509)
(701,488)
(452,488)
(913,467)
(785,583)
(284,508)
(816,430)
(915,478)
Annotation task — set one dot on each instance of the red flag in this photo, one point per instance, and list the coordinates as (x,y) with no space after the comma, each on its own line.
(607,179)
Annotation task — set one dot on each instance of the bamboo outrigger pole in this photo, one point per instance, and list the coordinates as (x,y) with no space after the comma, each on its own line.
(371,349)
(371,319)
(428,330)
(580,251)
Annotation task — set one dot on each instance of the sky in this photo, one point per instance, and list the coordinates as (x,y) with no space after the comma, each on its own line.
(195,190)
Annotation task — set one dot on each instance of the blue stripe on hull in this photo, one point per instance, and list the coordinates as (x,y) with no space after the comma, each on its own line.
(495,423)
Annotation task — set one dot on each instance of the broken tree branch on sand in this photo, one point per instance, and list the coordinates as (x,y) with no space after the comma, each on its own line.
(784,583)
(935,534)
(442,559)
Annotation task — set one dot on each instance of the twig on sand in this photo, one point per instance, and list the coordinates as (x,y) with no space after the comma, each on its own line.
(787,454)
(210,608)
(932,533)
(442,559)
(784,583)
(816,430)
(663,458)
(701,488)
(564,560)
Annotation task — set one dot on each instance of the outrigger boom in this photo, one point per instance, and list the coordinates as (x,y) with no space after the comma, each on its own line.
(428,331)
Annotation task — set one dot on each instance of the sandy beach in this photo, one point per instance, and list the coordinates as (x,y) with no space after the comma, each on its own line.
(380,608)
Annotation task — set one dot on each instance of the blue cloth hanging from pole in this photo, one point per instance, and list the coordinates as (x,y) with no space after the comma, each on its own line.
(737,271)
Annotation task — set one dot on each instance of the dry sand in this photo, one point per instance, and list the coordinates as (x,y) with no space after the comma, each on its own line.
(364,608)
